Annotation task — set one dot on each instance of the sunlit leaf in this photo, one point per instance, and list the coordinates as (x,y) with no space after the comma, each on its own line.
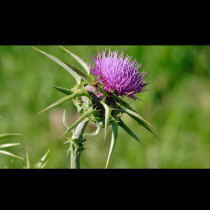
(107,116)
(62,64)
(88,135)
(82,63)
(9,145)
(64,120)
(113,140)
(75,95)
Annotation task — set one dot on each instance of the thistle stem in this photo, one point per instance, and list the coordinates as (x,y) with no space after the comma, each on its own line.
(77,147)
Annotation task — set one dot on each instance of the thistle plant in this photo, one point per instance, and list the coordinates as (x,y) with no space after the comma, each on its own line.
(102,94)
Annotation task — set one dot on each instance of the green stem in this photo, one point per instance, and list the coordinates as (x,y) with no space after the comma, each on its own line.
(77,146)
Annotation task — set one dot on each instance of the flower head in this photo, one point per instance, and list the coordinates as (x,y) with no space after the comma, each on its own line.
(118,74)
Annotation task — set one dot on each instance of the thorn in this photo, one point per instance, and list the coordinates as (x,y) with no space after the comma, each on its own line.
(105,134)
(38,113)
(64,49)
(130,93)
(63,134)
(37,49)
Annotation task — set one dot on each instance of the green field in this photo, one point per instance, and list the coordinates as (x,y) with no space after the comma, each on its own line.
(177,103)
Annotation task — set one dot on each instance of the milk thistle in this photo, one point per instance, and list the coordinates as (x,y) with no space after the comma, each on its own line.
(100,97)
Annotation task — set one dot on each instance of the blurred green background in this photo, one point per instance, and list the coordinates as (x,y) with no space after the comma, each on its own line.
(177,104)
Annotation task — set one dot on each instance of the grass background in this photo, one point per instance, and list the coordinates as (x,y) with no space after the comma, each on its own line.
(177,103)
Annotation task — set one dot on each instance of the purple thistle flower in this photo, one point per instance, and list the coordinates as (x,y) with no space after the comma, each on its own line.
(118,73)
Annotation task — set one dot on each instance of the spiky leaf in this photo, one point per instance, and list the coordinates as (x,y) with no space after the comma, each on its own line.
(139,119)
(63,90)
(75,95)
(107,116)
(62,64)
(81,118)
(10,154)
(64,120)
(113,140)
(88,135)
(81,62)
(84,76)
(9,145)
(125,127)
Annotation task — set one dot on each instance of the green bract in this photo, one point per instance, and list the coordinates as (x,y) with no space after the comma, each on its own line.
(95,105)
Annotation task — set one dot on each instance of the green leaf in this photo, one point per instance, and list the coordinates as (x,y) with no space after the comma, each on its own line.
(64,120)
(139,119)
(84,76)
(102,91)
(75,95)
(10,154)
(83,117)
(122,102)
(5,135)
(113,140)
(88,135)
(107,116)
(9,145)
(63,90)
(62,64)
(125,127)
(82,63)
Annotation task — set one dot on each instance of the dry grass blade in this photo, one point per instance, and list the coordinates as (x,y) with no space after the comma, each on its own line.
(10,154)
(9,145)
